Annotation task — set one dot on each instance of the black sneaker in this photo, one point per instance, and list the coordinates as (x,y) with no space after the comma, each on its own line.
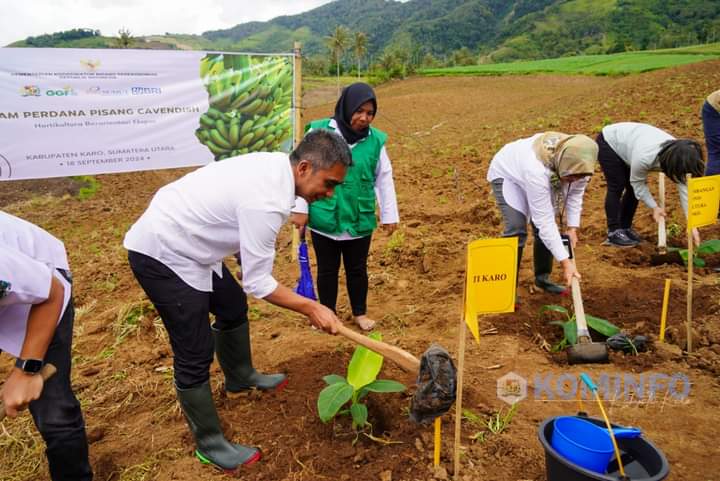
(632,234)
(619,238)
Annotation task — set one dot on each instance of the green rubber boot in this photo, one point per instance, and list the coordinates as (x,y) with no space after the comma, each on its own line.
(543,264)
(212,447)
(235,357)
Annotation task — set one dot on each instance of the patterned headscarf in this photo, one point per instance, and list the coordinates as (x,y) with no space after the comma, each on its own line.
(567,154)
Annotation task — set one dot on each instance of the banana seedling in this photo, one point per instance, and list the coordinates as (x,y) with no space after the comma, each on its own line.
(604,327)
(344,396)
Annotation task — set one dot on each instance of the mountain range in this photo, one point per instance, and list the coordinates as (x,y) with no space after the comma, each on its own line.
(498,30)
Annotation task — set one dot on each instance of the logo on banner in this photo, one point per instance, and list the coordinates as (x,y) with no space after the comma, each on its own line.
(36,91)
(145,90)
(122,92)
(90,65)
(30,91)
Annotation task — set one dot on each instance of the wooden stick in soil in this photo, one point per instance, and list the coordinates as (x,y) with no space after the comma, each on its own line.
(297,124)
(691,265)
(662,232)
(458,400)
(663,316)
(460,376)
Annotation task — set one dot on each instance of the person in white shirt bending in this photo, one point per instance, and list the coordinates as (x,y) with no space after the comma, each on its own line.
(36,326)
(532,179)
(176,251)
(629,151)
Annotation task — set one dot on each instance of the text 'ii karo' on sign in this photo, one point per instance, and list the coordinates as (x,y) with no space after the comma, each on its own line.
(490,279)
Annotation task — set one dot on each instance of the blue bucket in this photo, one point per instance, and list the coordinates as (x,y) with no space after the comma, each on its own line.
(582,443)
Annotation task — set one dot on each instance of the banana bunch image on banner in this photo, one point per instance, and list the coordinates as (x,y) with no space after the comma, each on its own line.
(250,104)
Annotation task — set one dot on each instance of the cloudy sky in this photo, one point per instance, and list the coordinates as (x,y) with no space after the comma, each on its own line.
(22,18)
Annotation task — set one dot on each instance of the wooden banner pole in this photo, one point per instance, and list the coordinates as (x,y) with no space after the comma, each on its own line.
(460,376)
(297,124)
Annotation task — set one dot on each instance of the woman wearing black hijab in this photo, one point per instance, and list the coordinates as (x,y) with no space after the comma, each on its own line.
(342,225)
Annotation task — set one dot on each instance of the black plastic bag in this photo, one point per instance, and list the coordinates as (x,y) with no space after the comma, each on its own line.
(623,342)
(436,386)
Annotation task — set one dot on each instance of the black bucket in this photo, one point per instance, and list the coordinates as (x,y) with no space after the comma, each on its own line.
(641,459)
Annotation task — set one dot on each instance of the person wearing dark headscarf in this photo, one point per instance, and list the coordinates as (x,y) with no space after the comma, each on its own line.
(711,126)
(629,151)
(342,225)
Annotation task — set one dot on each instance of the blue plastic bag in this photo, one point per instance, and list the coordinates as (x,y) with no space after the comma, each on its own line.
(305,285)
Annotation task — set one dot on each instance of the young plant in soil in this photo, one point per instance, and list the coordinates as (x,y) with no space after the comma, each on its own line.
(343,396)
(709,247)
(495,424)
(569,327)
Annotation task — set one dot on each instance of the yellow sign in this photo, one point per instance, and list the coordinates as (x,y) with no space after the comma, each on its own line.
(703,200)
(490,279)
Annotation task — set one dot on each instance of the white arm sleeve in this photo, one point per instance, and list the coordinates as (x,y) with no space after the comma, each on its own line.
(385,190)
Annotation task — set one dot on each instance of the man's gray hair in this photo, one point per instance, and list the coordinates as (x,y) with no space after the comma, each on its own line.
(323,149)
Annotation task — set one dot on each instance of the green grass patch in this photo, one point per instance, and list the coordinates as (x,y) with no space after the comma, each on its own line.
(612,64)
(90,187)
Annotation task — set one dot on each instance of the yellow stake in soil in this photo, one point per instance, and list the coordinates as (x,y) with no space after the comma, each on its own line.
(489,288)
(436,454)
(663,316)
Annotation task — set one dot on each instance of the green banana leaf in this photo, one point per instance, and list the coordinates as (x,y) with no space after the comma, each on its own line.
(333,379)
(697,261)
(569,330)
(604,327)
(385,385)
(332,398)
(711,246)
(380,385)
(365,365)
(554,308)
(359,413)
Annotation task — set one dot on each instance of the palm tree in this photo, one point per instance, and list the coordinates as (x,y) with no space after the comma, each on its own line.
(337,43)
(360,48)
(124,39)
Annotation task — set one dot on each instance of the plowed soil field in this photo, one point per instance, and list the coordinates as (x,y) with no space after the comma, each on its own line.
(443,133)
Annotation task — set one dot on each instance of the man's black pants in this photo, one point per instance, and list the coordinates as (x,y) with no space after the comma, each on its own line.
(185,313)
(57,413)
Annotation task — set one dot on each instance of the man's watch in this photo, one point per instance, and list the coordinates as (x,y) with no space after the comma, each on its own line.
(29,366)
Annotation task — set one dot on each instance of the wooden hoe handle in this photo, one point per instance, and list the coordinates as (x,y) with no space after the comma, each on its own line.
(402,358)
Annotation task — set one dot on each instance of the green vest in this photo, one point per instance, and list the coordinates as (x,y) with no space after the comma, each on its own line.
(351,209)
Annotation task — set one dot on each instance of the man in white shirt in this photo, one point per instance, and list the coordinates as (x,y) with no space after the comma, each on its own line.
(36,326)
(176,248)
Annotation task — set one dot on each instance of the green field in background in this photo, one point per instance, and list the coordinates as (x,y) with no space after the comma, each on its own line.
(612,64)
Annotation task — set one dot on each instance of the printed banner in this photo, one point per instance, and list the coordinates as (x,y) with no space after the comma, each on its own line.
(72,112)
(703,200)
(490,279)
